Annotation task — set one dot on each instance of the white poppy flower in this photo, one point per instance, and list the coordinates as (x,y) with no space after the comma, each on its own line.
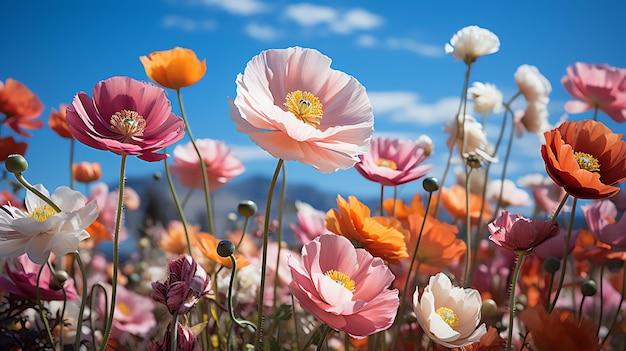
(473,142)
(532,84)
(471,42)
(41,230)
(449,315)
(487,98)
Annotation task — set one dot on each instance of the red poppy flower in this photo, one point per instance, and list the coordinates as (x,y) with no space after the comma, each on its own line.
(20,106)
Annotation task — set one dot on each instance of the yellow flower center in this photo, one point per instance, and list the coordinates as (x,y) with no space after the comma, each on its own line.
(305,106)
(42,213)
(383,162)
(448,316)
(128,123)
(341,279)
(587,161)
(124,308)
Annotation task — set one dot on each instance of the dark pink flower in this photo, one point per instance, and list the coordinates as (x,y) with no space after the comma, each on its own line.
(344,287)
(186,283)
(601,217)
(221,164)
(514,232)
(555,246)
(596,86)
(185,340)
(127,117)
(393,162)
(22,273)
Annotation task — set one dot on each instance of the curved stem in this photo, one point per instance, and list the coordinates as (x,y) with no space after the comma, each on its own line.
(266,230)
(504,166)
(518,266)
(42,314)
(619,307)
(83,302)
(231,310)
(468,231)
(179,208)
(205,179)
(116,244)
(565,256)
(279,237)
(243,231)
(601,299)
(32,189)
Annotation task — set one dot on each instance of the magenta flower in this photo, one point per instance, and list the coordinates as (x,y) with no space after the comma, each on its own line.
(127,117)
(221,164)
(311,222)
(295,107)
(393,162)
(514,232)
(22,282)
(186,283)
(601,217)
(185,340)
(596,86)
(344,287)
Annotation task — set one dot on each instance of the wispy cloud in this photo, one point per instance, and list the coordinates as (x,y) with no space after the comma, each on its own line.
(406,107)
(187,24)
(250,153)
(238,7)
(341,22)
(262,32)
(414,46)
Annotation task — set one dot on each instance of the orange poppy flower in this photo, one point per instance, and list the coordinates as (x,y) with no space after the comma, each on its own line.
(174,239)
(8,147)
(439,246)
(586,158)
(382,237)
(175,68)
(97,233)
(58,122)
(559,330)
(20,106)
(403,210)
(453,200)
(207,244)
(86,172)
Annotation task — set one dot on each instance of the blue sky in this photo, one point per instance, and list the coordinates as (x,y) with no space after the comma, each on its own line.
(394,48)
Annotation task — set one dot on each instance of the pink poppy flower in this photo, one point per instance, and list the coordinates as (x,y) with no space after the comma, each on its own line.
(22,282)
(393,162)
(546,193)
(134,313)
(295,107)
(186,283)
(555,246)
(514,232)
(127,117)
(596,86)
(601,217)
(221,164)
(344,287)
(107,205)
(311,222)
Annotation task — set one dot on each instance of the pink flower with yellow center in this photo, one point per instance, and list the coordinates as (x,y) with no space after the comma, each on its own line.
(127,117)
(344,287)
(393,162)
(295,107)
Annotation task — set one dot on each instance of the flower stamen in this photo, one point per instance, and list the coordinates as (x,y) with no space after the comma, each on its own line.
(128,123)
(42,213)
(587,161)
(383,162)
(305,106)
(341,279)
(448,316)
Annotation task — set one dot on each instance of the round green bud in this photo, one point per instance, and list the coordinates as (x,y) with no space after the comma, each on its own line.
(430,184)
(247,208)
(157,176)
(551,264)
(58,279)
(16,163)
(489,308)
(225,248)
(589,288)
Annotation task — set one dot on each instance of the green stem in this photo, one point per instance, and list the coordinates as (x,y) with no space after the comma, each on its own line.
(116,244)
(619,307)
(279,237)
(560,207)
(174,331)
(595,113)
(518,266)
(380,200)
(179,208)
(266,227)
(42,314)
(504,167)
(83,302)
(468,231)
(32,189)
(601,299)
(231,310)
(205,179)
(565,256)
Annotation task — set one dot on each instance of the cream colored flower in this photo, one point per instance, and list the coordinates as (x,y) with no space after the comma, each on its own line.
(534,119)
(487,98)
(449,315)
(511,194)
(532,84)
(468,136)
(471,42)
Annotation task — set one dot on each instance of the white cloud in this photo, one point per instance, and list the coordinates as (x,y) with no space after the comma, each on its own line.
(366,40)
(405,106)
(187,24)
(310,15)
(421,49)
(262,32)
(239,7)
(250,153)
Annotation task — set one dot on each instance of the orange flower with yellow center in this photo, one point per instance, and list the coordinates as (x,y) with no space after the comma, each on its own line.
(208,246)
(586,158)
(175,68)
(382,237)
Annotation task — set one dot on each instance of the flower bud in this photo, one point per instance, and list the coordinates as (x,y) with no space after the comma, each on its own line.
(247,208)
(86,172)
(430,184)
(589,288)
(16,163)
(551,264)
(157,176)
(225,248)
(58,279)
(489,308)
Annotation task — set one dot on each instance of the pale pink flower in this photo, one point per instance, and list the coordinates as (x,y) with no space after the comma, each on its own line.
(545,192)
(311,222)
(596,86)
(601,217)
(471,42)
(221,164)
(532,84)
(22,282)
(127,117)
(511,195)
(392,162)
(449,315)
(487,98)
(294,106)
(107,205)
(186,283)
(344,287)
(134,313)
(271,275)
(515,232)
(620,200)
